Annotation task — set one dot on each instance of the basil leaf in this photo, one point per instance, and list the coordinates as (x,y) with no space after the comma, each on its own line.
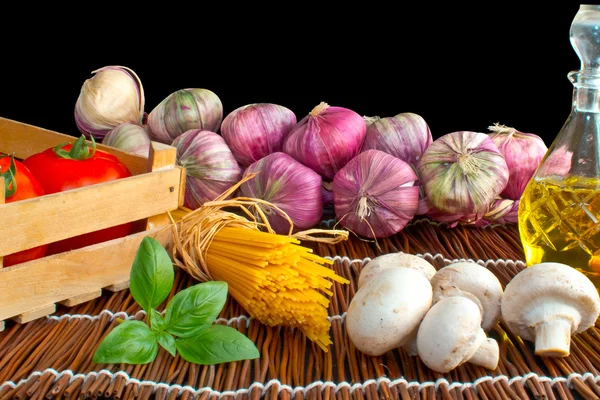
(167,341)
(152,274)
(194,309)
(130,342)
(157,322)
(215,345)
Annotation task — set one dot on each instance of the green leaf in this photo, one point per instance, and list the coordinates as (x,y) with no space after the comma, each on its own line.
(194,309)
(215,345)
(157,322)
(152,274)
(130,342)
(167,341)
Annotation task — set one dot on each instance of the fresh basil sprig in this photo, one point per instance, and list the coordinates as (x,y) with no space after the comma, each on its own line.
(187,326)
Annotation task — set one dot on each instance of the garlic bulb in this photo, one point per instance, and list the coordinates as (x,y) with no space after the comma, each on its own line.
(290,186)
(463,172)
(209,165)
(114,95)
(183,110)
(326,139)
(405,136)
(523,153)
(370,206)
(254,131)
(129,137)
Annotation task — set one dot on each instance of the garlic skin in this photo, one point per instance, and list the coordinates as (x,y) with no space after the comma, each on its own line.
(256,130)
(183,110)
(326,139)
(114,95)
(290,186)
(370,206)
(405,136)
(523,153)
(463,172)
(209,165)
(129,137)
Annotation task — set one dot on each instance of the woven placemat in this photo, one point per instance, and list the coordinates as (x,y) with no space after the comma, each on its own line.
(51,357)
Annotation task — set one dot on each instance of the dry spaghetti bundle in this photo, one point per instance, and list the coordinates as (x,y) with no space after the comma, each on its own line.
(272,276)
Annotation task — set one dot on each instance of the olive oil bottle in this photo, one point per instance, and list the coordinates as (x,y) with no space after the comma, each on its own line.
(559,212)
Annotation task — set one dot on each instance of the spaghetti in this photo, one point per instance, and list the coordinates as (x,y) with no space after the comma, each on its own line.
(272,276)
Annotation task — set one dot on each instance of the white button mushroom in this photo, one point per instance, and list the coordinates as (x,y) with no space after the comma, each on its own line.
(395,260)
(450,334)
(548,302)
(398,260)
(387,309)
(466,276)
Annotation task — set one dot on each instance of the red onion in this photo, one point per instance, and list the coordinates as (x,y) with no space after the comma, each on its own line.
(326,139)
(405,136)
(523,153)
(289,185)
(256,130)
(210,166)
(374,194)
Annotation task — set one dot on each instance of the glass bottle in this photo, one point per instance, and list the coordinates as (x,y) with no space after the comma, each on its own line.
(559,212)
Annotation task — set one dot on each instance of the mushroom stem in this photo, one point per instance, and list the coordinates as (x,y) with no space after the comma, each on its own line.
(487,355)
(553,337)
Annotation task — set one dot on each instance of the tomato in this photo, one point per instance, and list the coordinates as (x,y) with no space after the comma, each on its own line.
(72,166)
(27,187)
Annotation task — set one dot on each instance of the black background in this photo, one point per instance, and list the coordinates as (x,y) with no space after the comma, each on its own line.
(461,67)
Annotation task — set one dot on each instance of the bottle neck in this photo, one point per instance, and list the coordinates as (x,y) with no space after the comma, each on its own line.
(586,92)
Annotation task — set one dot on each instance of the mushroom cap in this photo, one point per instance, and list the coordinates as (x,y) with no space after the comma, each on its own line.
(387,309)
(450,333)
(545,289)
(394,260)
(473,278)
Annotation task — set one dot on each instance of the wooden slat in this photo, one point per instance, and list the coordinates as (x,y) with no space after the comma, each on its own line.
(2,326)
(52,279)
(81,298)
(116,287)
(57,216)
(35,313)
(24,140)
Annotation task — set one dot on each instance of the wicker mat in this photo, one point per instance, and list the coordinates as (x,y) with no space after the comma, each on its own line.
(51,357)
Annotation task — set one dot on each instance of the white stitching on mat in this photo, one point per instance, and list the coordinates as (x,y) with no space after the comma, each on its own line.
(318,384)
(430,256)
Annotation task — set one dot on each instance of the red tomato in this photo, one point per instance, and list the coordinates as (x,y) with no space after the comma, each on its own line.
(72,166)
(27,187)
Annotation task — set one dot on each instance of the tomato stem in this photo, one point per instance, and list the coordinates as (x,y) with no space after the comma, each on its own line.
(10,180)
(80,150)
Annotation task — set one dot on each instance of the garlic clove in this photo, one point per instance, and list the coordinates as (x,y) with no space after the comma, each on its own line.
(463,172)
(114,95)
(523,153)
(129,137)
(256,130)
(405,136)
(183,110)
(370,206)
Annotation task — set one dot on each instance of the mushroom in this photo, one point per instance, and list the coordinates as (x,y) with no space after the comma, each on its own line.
(548,302)
(398,260)
(387,309)
(395,260)
(450,334)
(466,276)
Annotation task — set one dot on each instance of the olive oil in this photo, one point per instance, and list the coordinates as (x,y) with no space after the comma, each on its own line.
(559,221)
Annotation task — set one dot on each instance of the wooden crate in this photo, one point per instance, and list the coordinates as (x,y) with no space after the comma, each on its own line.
(33,289)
